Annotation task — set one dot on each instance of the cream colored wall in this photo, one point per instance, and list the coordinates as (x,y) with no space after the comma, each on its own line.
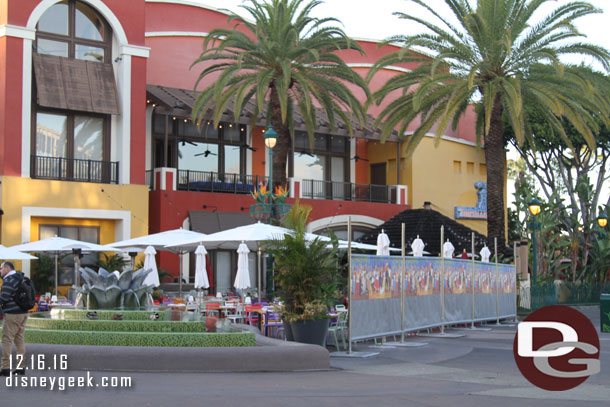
(18,193)
(430,174)
(445,175)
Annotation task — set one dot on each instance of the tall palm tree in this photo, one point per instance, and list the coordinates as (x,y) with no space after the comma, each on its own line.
(283,58)
(498,57)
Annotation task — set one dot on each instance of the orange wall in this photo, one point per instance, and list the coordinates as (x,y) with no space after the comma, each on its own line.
(11,68)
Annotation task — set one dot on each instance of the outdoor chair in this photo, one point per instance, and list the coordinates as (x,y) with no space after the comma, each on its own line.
(211,308)
(252,314)
(340,327)
(272,320)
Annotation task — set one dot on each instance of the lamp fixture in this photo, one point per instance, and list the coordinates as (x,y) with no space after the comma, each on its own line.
(270,137)
(535,206)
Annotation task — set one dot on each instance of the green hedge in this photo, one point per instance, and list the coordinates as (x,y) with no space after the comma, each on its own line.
(107,314)
(114,326)
(146,339)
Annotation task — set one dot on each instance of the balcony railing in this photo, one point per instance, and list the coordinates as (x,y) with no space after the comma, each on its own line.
(72,169)
(345,191)
(215,182)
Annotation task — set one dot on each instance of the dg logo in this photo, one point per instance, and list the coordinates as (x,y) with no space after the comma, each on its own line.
(556,348)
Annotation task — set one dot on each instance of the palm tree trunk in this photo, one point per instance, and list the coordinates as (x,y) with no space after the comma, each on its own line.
(281,149)
(495,159)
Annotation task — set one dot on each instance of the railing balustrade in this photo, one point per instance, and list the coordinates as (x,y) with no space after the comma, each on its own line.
(345,191)
(73,169)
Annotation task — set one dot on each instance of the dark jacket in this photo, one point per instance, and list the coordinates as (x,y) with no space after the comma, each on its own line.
(9,285)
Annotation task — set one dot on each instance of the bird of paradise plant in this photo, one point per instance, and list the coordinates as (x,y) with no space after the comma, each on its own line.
(260,195)
(281,193)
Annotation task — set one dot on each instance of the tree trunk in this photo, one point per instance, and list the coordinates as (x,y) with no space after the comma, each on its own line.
(495,159)
(281,149)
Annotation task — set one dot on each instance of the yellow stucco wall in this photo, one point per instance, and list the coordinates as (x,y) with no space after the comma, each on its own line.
(17,193)
(444,174)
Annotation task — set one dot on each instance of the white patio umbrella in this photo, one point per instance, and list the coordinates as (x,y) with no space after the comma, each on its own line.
(56,245)
(242,279)
(448,250)
(162,240)
(383,244)
(201,275)
(251,235)
(485,253)
(12,254)
(150,263)
(418,247)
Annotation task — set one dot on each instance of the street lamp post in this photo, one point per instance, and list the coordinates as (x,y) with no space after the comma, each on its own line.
(270,136)
(534,208)
(602,221)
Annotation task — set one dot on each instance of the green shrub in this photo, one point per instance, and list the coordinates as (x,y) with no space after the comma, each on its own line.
(146,339)
(114,326)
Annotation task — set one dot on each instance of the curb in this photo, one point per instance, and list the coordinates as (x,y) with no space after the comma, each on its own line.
(269,355)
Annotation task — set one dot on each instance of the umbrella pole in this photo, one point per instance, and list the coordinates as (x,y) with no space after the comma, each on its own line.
(259,273)
(56,276)
(180,275)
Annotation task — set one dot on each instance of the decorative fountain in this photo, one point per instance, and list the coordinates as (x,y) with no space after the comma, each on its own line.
(113,309)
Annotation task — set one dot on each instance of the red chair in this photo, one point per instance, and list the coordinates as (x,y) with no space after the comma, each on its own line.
(252,314)
(212,307)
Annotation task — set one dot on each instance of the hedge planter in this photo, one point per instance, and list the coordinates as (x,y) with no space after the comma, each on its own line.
(312,332)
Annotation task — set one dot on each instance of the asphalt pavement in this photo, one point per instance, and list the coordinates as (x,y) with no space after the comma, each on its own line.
(475,370)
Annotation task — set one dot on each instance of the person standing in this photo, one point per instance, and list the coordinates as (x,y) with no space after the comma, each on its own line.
(14,320)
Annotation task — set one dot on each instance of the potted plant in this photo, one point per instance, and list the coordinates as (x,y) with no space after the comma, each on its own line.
(306,277)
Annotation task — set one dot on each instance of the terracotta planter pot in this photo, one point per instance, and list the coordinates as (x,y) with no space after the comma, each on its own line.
(312,332)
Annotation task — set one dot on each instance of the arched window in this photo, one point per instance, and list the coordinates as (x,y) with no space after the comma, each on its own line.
(73,95)
(73,29)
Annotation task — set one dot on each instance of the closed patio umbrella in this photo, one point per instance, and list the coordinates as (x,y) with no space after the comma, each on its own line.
(383,244)
(242,279)
(150,263)
(201,275)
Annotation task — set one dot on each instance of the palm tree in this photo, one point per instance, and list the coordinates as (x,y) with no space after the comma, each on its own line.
(499,58)
(285,59)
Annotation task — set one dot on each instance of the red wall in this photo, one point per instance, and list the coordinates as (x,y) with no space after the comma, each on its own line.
(169,209)
(11,68)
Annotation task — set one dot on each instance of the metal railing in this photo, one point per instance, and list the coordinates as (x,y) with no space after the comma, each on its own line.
(150,180)
(72,169)
(216,182)
(560,293)
(345,191)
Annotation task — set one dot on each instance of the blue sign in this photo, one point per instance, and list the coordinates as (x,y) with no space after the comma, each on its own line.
(479,211)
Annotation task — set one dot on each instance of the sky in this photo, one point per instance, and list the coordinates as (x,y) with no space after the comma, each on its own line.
(374,19)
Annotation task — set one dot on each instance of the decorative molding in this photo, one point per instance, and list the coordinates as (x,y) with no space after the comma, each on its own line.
(176,34)
(8,30)
(368,65)
(135,51)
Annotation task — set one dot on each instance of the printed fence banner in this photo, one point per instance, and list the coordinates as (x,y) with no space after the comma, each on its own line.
(375,291)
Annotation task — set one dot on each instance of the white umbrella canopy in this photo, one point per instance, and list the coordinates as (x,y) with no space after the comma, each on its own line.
(418,247)
(169,240)
(150,263)
(251,235)
(12,254)
(448,249)
(161,241)
(56,245)
(242,279)
(201,275)
(383,244)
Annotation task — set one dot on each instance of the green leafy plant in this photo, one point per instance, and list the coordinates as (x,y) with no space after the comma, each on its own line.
(43,273)
(113,262)
(307,274)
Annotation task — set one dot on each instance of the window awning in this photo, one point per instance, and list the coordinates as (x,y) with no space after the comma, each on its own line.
(212,222)
(75,84)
